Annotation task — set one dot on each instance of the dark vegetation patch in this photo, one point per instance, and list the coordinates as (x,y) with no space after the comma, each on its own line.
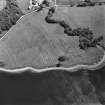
(9,15)
(60,87)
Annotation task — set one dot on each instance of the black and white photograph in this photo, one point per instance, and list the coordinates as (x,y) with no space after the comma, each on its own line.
(52,52)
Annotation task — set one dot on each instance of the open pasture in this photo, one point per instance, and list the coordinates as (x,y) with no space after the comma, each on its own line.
(33,42)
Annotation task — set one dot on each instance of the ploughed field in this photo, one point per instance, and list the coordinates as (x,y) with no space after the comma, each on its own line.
(33,42)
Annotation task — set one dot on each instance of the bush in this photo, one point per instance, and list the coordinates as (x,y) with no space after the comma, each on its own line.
(9,15)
